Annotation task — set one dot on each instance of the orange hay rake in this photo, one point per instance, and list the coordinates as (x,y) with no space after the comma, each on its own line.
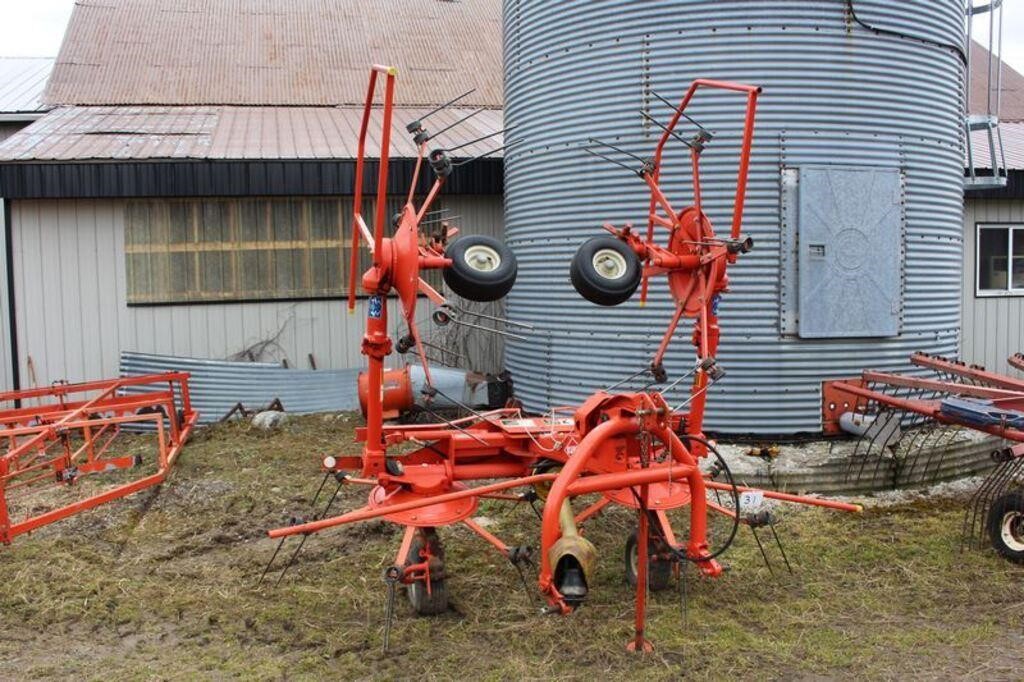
(628,448)
(56,437)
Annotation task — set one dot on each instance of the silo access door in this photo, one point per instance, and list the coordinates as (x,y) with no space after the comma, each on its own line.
(851,248)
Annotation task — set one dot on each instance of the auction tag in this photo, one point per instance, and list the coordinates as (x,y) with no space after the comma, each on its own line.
(751,499)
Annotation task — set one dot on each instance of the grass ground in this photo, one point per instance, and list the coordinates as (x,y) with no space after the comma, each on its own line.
(163,586)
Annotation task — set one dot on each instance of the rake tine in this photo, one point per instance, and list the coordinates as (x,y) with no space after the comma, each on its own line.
(1006,473)
(778,541)
(665,128)
(526,586)
(609,159)
(594,140)
(982,498)
(675,107)
(305,537)
(502,148)
(447,104)
(931,434)
(480,139)
(291,560)
(320,489)
(682,591)
(462,120)
(764,554)
(280,544)
(271,562)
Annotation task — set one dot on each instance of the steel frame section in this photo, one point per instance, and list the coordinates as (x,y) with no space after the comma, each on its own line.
(70,433)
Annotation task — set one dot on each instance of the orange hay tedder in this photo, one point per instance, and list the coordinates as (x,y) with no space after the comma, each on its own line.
(61,435)
(632,449)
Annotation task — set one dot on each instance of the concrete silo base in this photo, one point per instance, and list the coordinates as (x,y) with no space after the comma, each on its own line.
(831,467)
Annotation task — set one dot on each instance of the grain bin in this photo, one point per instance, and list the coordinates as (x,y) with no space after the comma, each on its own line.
(855,196)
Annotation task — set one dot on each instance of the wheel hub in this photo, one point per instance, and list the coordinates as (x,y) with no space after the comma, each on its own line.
(482,258)
(609,264)
(1012,530)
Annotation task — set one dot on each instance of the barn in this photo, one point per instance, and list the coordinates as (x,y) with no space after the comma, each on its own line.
(187,192)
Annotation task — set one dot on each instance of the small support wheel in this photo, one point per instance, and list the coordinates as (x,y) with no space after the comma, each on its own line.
(659,569)
(483,269)
(605,271)
(1006,526)
(434,601)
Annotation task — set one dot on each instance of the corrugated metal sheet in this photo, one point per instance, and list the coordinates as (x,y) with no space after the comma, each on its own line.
(1012,134)
(22,80)
(834,93)
(73,319)
(311,52)
(993,326)
(216,386)
(134,133)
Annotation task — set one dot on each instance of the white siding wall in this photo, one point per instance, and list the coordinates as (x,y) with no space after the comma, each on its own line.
(992,327)
(73,320)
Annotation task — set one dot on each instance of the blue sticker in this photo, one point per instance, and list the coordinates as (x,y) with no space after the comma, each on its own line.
(376,307)
(715,300)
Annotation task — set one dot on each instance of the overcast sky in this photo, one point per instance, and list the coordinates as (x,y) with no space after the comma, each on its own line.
(34,28)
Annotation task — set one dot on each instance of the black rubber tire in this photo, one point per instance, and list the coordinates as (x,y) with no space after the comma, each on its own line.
(436,602)
(659,571)
(474,284)
(1007,514)
(597,287)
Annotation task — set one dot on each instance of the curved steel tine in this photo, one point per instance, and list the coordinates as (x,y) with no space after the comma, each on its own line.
(464,311)
(500,332)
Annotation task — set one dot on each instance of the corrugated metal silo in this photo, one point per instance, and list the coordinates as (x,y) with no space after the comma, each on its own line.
(854,202)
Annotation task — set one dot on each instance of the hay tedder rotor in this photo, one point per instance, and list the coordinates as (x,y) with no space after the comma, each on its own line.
(631,449)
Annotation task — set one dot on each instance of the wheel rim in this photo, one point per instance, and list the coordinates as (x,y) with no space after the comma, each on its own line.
(609,264)
(634,560)
(1012,531)
(482,258)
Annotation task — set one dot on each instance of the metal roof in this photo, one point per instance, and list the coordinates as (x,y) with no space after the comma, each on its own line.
(22,80)
(226,132)
(270,52)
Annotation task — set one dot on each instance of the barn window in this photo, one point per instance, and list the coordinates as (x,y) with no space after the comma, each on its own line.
(1000,260)
(181,251)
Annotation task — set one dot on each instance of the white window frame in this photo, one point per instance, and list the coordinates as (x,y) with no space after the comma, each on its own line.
(996,293)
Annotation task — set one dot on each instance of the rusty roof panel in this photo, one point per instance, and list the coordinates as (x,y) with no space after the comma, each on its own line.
(270,52)
(221,132)
(22,80)
(1012,85)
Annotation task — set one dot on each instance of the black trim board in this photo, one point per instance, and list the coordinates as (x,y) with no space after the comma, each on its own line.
(197,178)
(12,317)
